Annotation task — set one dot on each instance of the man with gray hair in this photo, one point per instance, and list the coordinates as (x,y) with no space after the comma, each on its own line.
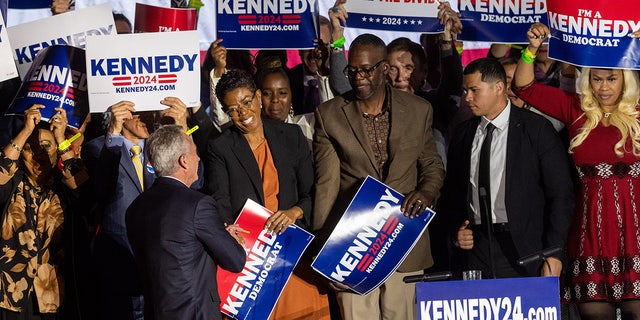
(177,236)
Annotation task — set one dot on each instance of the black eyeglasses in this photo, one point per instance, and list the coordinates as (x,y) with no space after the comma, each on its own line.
(351,72)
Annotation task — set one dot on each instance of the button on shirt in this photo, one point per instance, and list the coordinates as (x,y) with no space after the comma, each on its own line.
(498,164)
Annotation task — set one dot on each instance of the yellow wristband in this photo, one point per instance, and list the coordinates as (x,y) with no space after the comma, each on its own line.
(192,130)
(528,56)
(67,143)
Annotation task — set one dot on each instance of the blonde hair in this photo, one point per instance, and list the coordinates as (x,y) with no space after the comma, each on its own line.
(625,117)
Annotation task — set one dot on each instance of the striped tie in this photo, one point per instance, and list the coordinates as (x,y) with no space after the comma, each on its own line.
(135,157)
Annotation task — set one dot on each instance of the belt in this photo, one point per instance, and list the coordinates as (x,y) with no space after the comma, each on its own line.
(497,227)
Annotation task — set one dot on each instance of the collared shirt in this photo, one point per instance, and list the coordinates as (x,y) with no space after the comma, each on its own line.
(498,164)
(377,129)
(113,142)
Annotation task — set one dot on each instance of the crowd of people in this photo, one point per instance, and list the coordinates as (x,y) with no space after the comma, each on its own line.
(516,153)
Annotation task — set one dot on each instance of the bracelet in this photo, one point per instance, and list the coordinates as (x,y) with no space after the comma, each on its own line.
(339,43)
(528,56)
(337,49)
(15,147)
(67,143)
(61,152)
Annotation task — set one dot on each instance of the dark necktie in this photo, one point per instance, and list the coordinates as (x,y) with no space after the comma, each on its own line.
(484,176)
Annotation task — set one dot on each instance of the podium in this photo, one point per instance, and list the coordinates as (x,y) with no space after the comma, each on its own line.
(535,298)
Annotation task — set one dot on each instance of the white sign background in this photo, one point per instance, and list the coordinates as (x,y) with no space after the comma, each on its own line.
(59,26)
(7,65)
(103,93)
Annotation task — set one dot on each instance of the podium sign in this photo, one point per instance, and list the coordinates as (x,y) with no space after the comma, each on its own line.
(512,298)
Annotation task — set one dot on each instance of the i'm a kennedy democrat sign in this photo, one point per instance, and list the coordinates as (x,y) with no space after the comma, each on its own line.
(266,24)
(143,68)
(252,293)
(513,298)
(594,33)
(501,21)
(407,15)
(371,239)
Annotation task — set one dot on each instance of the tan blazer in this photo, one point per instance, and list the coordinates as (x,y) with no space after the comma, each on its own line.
(343,158)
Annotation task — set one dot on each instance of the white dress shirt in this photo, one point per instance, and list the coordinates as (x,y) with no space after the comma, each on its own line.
(498,164)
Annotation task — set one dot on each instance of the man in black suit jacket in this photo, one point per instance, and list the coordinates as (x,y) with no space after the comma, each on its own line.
(529,197)
(177,236)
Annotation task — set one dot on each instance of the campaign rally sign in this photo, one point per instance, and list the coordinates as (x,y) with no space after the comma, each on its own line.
(266,24)
(158,19)
(57,79)
(500,21)
(7,65)
(252,293)
(70,28)
(29,4)
(371,239)
(406,15)
(143,68)
(594,33)
(512,298)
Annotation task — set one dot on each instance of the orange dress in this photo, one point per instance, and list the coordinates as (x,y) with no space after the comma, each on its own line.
(300,298)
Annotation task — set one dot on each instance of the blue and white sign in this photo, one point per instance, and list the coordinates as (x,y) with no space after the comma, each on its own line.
(70,28)
(57,79)
(536,298)
(500,21)
(266,24)
(143,68)
(594,33)
(371,239)
(407,15)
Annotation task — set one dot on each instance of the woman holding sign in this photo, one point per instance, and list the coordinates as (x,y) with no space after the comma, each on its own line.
(39,177)
(268,162)
(603,249)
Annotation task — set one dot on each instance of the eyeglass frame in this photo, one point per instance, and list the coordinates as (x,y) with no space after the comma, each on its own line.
(368,72)
(246,105)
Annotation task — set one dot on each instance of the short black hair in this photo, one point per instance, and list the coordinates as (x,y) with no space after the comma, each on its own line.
(260,76)
(368,39)
(490,70)
(232,80)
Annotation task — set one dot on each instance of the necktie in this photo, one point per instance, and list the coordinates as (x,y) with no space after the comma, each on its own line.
(484,176)
(135,157)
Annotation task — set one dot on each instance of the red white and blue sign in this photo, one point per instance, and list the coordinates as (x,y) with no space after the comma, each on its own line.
(371,239)
(513,298)
(265,24)
(403,16)
(594,33)
(56,79)
(252,293)
(500,21)
(143,68)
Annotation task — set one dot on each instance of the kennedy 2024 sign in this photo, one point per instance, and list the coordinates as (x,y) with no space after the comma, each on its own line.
(371,239)
(252,293)
(143,68)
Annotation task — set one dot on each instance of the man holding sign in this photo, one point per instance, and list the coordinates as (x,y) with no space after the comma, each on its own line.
(385,133)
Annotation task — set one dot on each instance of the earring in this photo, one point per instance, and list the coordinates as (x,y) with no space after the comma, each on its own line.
(291,110)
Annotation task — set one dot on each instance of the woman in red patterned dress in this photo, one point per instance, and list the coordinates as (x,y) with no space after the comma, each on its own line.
(604,243)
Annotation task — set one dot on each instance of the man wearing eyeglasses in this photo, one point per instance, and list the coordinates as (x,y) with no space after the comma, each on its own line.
(385,133)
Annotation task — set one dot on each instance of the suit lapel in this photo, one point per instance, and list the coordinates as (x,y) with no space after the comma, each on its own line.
(127,165)
(354,118)
(514,141)
(399,119)
(247,160)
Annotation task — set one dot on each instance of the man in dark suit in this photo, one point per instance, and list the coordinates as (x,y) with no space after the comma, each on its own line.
(116,181)
(385,133)
(508,190)
(177,236)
